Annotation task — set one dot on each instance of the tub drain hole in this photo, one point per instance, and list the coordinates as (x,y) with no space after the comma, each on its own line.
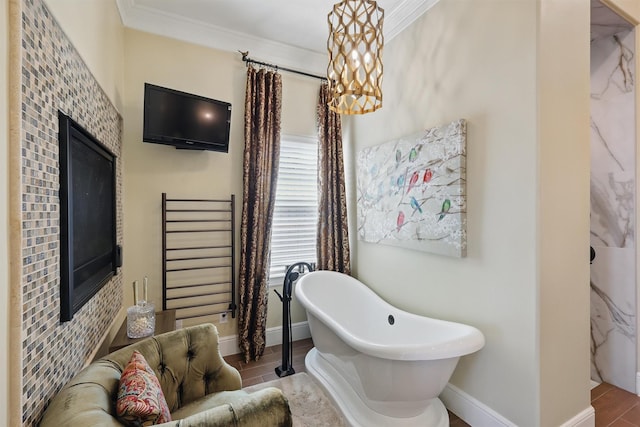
(391,319)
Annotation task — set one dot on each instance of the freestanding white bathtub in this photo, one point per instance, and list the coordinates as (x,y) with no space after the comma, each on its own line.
(382,366)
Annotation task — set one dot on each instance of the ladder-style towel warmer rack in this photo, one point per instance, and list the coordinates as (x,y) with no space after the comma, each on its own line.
(198,257)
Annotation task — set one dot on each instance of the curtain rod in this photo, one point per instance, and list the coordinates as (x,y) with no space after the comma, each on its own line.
(245,58)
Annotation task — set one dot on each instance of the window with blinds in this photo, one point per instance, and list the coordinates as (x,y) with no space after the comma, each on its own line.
(295,217)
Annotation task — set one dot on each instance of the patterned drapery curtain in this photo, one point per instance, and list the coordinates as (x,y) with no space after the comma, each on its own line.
(333,233)
(261,160)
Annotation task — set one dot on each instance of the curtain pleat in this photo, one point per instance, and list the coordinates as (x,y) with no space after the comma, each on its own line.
(333,233)
(260,167)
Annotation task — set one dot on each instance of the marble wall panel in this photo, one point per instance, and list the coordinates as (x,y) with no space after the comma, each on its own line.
(613,318)
(613,140)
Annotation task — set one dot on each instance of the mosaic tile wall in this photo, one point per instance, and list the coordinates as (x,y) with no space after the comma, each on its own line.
(55,77)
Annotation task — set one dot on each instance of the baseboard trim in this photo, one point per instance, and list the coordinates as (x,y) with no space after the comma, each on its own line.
(471,410)
(476,413)
(638,383)
(228,345)
(299,331)
(586,418)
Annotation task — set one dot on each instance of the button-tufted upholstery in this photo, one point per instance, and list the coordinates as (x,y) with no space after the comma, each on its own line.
(201,389)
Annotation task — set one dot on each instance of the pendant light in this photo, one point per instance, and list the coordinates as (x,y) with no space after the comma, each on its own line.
(355,56)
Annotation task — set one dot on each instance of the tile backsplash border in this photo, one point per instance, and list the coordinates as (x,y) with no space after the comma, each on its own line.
(53,77)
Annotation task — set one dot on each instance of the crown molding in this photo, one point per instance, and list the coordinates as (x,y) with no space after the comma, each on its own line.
(198,32)
(404,15)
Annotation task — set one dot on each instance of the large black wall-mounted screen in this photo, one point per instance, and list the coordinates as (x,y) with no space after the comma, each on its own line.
(185,120)
(89,250)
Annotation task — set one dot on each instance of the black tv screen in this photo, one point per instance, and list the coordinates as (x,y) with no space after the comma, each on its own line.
(89,250)
(185,120)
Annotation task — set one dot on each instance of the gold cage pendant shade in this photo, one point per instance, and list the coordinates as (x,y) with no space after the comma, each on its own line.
(355,56)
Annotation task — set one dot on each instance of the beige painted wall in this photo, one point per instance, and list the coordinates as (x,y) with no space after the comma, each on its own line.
(629,9)
(633,15)
(152,169)
(563,157)
(95,28)
(478,61)
(4,215)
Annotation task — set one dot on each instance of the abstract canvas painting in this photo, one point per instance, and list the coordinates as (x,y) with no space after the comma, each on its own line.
(412,191)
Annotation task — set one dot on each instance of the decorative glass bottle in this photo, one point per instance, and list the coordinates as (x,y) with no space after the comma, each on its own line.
(141,318)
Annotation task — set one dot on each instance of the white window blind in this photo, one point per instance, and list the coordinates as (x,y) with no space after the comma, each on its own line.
(295,217)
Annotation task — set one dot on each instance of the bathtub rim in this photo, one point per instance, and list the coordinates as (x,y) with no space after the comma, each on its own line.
(469,342)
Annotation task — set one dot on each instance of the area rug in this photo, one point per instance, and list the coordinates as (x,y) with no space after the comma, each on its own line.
(309,405)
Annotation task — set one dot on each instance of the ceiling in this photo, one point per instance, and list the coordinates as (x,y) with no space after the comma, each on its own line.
(291,33)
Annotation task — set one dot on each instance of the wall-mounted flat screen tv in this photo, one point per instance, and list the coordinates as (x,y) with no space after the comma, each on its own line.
(89,251)
(185,120)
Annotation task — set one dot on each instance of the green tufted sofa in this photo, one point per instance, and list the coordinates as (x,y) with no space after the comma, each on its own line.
(201,389)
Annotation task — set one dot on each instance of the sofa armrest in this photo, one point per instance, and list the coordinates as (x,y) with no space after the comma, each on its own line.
(266,407)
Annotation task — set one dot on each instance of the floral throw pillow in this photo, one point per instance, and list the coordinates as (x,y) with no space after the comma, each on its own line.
(140,398)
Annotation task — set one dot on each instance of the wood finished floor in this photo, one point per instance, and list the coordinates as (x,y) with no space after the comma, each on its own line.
(264,369)
(615,407)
